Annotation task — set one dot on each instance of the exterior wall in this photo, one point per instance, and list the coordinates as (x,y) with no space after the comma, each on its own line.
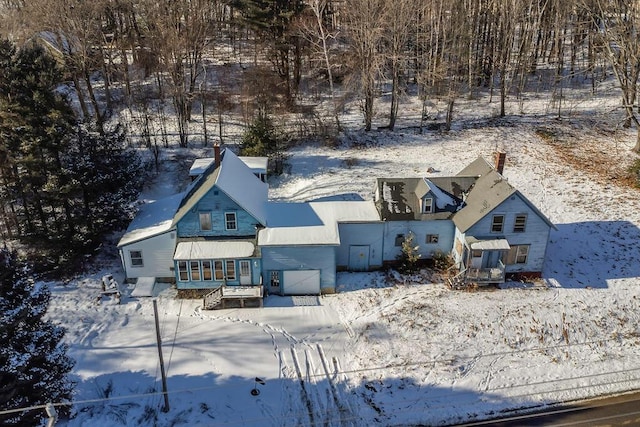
(536,233)
(157,257)
(444,228)
(218,205)
(458,248)
(212,284)
(360,234)
(280,258)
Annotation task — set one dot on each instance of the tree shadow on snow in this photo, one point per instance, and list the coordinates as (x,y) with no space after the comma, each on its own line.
(305,395)
(589,254)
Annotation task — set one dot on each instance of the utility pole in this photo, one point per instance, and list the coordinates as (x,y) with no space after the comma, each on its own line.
(159,341)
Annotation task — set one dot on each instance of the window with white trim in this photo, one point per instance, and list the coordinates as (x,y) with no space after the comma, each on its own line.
(427,205)
(520,223)
(275,279)
(183,274)
(231,270)
(136,258)
(230,221)
(497,224)
(518,254)
(205,221)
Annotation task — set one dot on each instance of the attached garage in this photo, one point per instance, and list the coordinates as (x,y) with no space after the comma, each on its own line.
(301,282)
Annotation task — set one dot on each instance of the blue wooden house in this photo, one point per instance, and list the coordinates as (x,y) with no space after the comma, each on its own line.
(499,232)
(224,237)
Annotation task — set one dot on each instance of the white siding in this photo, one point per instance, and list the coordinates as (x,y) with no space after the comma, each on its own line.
(157,257)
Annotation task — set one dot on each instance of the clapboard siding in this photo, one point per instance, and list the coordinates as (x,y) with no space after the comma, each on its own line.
(360,234)
(443,228)
(157,257)
(217,204)
(281,258)
(536,232)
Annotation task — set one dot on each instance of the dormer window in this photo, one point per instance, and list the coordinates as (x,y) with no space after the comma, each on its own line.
(427,205)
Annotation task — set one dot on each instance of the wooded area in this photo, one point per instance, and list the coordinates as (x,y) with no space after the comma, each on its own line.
(289,50)
(203,62)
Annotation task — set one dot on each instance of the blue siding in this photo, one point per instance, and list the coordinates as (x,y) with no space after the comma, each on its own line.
(255,264)
(536,232)
(217,204)
(443,228)
(360,234)
(323,258)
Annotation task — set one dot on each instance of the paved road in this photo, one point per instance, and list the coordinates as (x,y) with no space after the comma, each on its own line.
(614,411)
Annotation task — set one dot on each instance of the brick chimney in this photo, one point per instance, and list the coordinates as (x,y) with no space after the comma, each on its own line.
(216,154)
(499,157)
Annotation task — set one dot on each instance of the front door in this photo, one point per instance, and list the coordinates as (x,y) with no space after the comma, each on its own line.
(245,272)
(358,258)
(476,258)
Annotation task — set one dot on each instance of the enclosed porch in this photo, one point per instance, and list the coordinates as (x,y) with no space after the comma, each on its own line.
(483,262)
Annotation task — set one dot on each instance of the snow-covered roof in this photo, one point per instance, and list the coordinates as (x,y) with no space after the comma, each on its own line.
(313,223)
(236,180)
(152,219)
(213,250)
(256,164)
(442,198)
(489,245)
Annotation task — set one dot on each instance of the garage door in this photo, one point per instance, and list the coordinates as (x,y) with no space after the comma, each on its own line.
(301,282)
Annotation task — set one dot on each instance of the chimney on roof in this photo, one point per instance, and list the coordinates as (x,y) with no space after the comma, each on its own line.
(499,157)
(216,154)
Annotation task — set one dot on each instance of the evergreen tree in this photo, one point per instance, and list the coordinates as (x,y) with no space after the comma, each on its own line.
(262,138)
(106,176)
(63,185)
(410,255)
(33,362)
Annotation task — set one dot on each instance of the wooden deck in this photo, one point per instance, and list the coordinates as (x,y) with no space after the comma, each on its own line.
(233,297)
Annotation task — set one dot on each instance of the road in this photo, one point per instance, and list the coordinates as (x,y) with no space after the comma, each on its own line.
(612,411)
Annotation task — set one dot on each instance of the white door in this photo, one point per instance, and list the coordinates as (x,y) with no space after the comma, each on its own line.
(245,272)
(476,258)
(301,282)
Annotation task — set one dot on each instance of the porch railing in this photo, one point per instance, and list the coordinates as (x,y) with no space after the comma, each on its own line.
(486,275)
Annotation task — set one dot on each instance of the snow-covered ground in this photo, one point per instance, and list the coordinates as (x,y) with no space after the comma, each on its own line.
(386,349)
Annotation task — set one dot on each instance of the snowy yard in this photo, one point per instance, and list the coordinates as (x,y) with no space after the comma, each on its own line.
(387,350)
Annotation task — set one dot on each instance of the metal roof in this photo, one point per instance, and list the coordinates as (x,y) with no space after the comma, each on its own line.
(213,249)
(236,180)
(152,219)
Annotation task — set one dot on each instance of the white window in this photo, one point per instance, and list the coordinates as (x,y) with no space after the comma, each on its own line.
(183,274)
(497,224)
(275,279)
(518,254)
(520,223)
(427,205)
(231,270)
(432,238)
(230,221)
(205,221)
(136,258)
